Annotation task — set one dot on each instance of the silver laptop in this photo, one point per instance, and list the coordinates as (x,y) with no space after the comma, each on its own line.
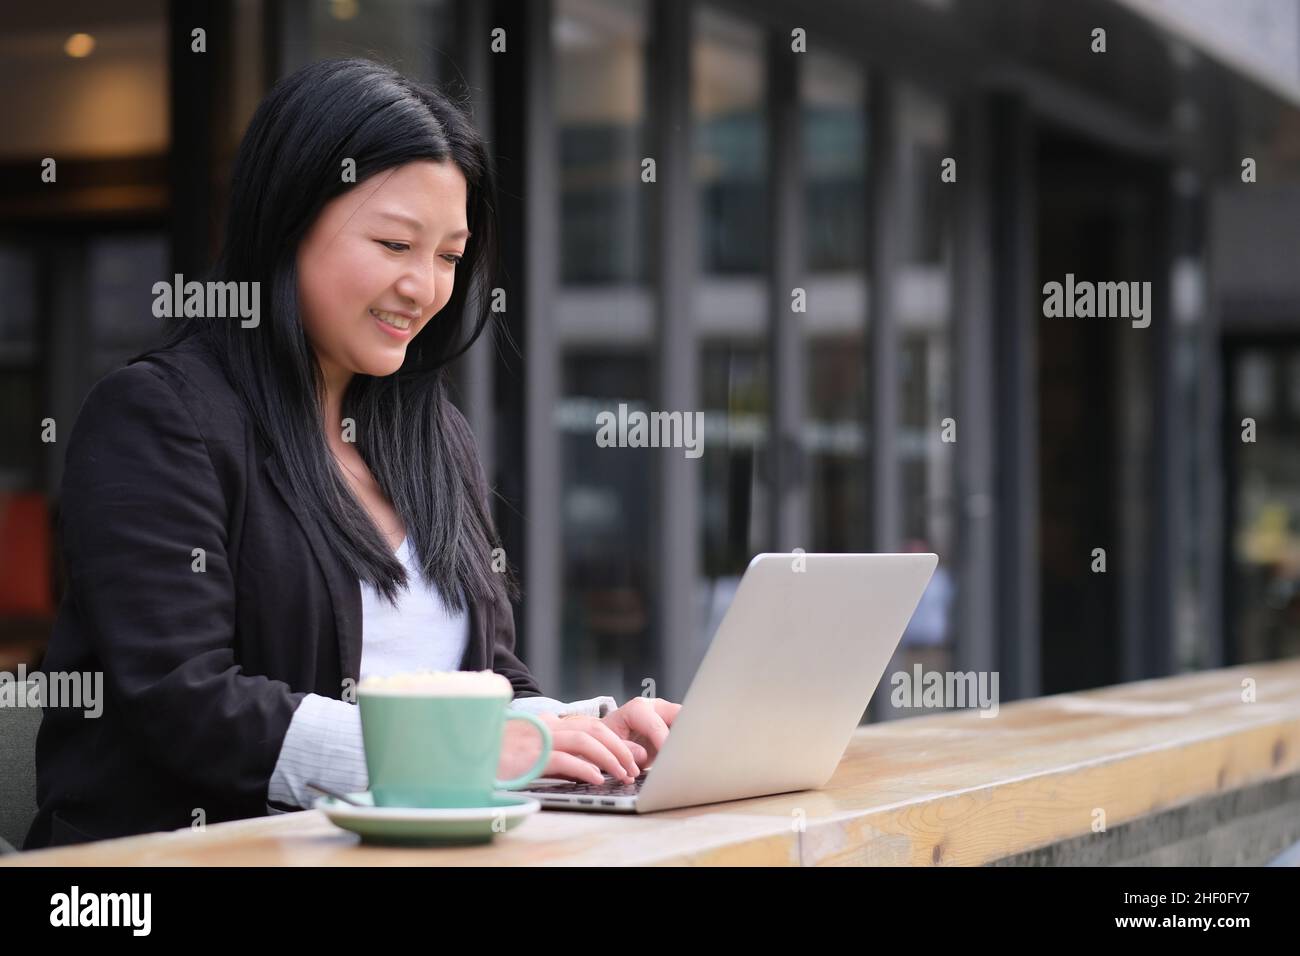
(784,684)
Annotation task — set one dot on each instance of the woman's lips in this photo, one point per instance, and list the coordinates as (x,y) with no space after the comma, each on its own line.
(398,326)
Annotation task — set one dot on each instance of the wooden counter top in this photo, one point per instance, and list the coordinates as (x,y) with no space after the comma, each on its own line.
(950,788)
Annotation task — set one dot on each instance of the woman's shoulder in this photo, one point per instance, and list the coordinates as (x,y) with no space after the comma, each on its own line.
(184,377)
(190,366)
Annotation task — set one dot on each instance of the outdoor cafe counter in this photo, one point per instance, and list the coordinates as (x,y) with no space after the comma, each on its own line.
(948,788)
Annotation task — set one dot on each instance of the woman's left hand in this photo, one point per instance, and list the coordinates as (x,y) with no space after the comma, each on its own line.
(644,721)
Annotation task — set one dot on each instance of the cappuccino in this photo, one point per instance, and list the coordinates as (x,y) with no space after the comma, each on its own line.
(440,684)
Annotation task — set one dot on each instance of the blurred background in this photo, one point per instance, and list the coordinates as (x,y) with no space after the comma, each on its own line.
(776,170)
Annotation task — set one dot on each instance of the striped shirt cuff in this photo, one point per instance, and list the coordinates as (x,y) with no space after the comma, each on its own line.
(323,745)
(593,707)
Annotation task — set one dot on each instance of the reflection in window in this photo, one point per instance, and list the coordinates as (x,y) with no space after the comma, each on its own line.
(730,163)
(834,162)
(735,394)
(600,101)
(1265,539)
(926,442)
(606,500)
(927,226)
(730,143)
(603,319)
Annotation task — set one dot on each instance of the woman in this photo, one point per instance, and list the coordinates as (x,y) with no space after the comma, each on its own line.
(241,503)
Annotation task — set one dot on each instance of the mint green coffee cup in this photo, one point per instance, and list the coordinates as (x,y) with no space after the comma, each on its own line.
(436,749)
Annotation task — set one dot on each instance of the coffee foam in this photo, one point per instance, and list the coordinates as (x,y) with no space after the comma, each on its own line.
(440,684)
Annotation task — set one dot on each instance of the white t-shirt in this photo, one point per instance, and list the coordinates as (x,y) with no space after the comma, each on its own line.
(420,628)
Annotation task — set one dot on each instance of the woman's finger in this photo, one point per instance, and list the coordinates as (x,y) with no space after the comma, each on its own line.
(579,722)
(569,767)
(639,753)
(616,744)
(584,744)
(666,709)
(645,720)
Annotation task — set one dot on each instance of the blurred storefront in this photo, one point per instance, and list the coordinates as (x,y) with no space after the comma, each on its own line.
(863,333)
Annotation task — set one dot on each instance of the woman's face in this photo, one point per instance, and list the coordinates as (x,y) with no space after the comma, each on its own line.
(378,263)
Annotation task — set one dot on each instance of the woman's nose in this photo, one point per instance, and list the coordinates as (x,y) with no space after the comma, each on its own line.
(418,290)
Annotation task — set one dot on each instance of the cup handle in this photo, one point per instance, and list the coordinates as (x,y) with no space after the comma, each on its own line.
(536,770)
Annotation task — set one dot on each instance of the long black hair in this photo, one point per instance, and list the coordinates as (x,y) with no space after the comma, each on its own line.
(411,436)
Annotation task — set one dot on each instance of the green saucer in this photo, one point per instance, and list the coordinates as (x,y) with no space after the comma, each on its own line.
(425,826)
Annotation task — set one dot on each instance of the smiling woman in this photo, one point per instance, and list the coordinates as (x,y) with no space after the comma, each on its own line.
(242,505)
(352,191)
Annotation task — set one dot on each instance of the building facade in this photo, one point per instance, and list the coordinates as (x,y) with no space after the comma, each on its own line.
(827,227)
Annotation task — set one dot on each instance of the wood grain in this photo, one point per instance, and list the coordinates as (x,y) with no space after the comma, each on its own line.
(946,789)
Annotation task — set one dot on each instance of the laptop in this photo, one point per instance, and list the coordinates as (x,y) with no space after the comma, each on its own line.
(780,691)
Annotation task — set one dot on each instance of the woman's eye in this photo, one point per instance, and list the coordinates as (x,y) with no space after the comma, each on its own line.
(394,246)
(452,258)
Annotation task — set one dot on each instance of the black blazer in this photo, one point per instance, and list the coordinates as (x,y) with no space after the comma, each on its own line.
(202,670)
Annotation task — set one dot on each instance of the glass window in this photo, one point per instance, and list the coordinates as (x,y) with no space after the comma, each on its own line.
(18,292)
(122,272)
(727,88)
(413,36)
(833,93)
(926,449)
(20,383)
(603,317)
(730,163)
(927,225)
(835,171)
(1265,539)
(600,103)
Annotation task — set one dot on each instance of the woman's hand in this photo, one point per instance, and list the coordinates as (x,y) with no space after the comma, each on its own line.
(643,722)
(581,748)
(624,743)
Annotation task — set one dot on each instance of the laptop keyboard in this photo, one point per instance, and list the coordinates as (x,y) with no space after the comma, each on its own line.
(612,787)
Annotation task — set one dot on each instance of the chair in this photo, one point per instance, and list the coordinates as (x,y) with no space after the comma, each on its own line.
(18,726)
(26,615)
(26,586)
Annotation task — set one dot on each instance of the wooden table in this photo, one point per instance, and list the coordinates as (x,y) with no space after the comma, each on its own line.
(949,788)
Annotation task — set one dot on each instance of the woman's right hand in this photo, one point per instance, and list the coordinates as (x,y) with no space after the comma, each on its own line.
(581,748)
